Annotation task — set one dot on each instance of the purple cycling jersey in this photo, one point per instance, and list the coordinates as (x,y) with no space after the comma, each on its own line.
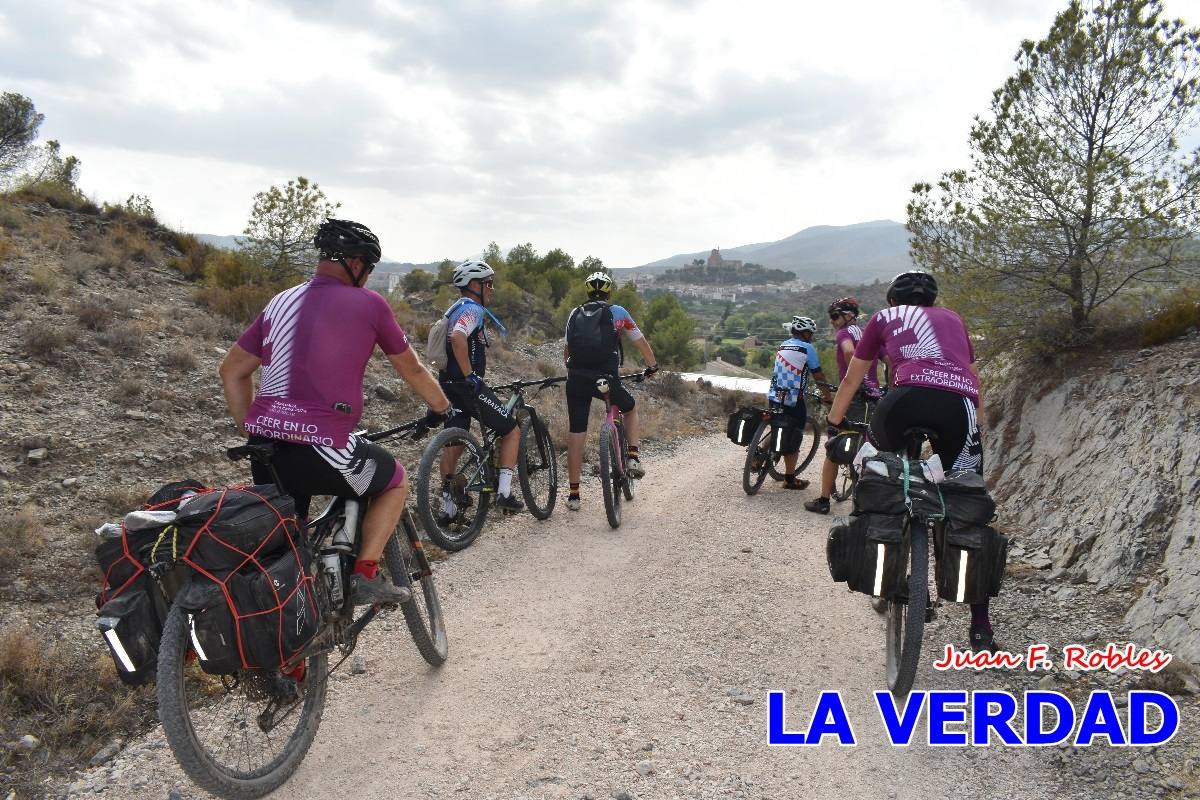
(927,346)
(853,334)
(314,341)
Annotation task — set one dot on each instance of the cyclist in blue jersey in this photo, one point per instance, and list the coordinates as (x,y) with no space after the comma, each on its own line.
(794,361)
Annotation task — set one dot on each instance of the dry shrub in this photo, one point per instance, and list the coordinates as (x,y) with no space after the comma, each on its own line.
(124,338)
(5,248)
(180,359)
(47,344)
(131,241)
(70,701)
(42,279)
(193,254)
(240,303)
(23,534)
(120,500)
(11,217)
(77,265)
(670,386)
(94,312)
(59,195)
(1181,314)
(53,232)
(126,389)
(548,369)
(110,258)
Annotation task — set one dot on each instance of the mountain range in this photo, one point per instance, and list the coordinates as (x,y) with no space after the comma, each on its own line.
(846,253)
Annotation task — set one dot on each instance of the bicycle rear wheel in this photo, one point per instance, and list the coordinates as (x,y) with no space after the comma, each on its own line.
(844,483)
(470,490)
(609,477)
(237,736)
(906,620)
(758,459)
(406,564)
(537,467)
(812,442)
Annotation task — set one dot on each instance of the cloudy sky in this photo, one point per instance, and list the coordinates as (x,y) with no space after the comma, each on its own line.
(625,130)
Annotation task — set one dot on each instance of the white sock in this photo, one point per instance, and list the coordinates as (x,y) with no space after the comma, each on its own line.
(505,487)
(448,505)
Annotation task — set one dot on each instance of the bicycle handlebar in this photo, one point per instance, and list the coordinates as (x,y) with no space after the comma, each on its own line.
(414,430)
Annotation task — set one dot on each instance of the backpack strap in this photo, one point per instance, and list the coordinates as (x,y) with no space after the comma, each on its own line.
(499,325)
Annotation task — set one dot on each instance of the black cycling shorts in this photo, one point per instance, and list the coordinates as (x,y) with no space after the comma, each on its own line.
(482,405)
(581,388)
(959,444)
(360,469)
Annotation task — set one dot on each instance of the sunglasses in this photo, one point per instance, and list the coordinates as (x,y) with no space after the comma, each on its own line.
(487,284)
(835,316)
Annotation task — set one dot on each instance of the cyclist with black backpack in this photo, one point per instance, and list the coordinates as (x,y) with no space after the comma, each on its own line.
(593,349)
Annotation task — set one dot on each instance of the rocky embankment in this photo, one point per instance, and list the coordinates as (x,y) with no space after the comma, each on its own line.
(1098,476)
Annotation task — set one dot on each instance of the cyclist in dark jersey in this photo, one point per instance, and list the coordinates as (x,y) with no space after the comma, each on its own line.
(313,342)
(934,385)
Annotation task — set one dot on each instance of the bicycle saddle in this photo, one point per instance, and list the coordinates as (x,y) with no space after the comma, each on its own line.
(259,453)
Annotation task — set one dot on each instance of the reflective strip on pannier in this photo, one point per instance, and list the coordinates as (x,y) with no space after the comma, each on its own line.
(972,562)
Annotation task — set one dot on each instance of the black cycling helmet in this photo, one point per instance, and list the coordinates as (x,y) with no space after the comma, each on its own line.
(341,238)
(913,288)
(844,305)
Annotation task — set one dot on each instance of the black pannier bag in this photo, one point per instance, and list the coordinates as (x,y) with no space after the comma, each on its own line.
(880,488)
(970,568)
(251,598)
(866,553)
(742,425)
(967,499)
(786,434)
(224,531)
(131,624)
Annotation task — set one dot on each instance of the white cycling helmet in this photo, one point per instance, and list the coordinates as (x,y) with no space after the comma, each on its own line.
(800,325)
(470,270)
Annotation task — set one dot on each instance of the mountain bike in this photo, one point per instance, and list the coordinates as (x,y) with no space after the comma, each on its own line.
(907,614)
(242,735)
(764,456)
(477,471)
(614,479)
(847,477)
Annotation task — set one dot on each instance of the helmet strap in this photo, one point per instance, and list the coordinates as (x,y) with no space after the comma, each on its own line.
(362,276)
(468,290)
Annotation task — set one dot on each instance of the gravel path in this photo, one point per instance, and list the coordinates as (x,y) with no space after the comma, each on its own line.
(587,662)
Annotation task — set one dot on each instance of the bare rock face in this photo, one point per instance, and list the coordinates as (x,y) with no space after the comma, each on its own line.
(1101,466)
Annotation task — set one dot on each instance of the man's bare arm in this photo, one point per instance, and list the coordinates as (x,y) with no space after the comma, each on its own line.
(237,380)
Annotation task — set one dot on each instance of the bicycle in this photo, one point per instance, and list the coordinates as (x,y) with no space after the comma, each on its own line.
(243,735)
(476,471)
(763,454)
(907,614)
(847,478)
(614,479)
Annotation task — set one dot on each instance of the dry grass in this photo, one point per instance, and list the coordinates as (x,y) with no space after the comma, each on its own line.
(549,369)
(1181,314)
(5,248)
(132,241)
(47,344)
(77,265)
(94,312)
(240,304)
(180,359)
(126,389)
(125,338)
(42,280)
(53,233)
(120,500)
(22,535)
(11,216)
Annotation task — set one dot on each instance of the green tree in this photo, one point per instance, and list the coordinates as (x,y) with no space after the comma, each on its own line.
(670,330)
(283,221)
(592,264)
(19,123)
(1077,190)
(418,280)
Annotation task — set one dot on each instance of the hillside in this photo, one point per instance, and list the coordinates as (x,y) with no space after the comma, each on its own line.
(857,253)
(108,389)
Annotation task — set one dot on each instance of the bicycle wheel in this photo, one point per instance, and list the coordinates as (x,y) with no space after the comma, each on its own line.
(407,565)
(537,467)
(623,448)
(812,444)
(235,736)
(470,488)
(844,483)
(609,478)
(758,459)
(906,620)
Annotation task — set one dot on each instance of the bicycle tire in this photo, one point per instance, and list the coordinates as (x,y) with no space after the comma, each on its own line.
(537,457)
(403,558)
(176,676)
(906,621)
(608,477)
(812,448)
(472,470)
(626,481)
(752,478)
(844,483)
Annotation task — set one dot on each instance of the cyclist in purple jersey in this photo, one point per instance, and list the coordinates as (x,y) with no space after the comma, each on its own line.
(843,318)
(313,342)
(935,386)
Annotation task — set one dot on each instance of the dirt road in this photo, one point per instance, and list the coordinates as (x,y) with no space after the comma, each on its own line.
(587,662)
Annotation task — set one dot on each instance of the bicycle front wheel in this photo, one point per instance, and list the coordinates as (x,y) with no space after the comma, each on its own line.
(237,736)
(455,451)
(623,448)
(537,467)
(609,477)
(906,620)
(808,445)
(758,459)
(847,479)
(407,566)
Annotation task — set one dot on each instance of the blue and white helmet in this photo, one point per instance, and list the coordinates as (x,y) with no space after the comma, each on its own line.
(470,270)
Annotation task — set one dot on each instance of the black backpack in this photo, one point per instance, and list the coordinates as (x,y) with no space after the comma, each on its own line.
(591,336)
